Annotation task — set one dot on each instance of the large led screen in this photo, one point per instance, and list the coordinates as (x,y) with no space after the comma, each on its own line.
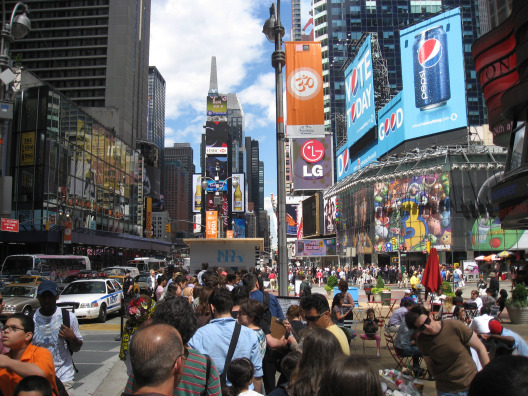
(359,91)
(432,61)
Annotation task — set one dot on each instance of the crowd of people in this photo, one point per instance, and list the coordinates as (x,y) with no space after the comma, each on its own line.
(222,333)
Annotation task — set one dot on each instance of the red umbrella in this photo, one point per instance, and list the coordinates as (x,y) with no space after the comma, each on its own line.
(431,279)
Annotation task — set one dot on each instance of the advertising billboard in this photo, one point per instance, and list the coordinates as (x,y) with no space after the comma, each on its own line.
(238,194)
(216,137)
(391,127)
(432,61)
(312,209)
(330,215)
(315,247)
(304,89)
(197,192)
(291,220)
(240,228)
(359,94)
(211,224)
(312,163)
(216,105)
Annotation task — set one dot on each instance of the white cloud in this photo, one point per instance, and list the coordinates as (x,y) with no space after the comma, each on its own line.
(185,36)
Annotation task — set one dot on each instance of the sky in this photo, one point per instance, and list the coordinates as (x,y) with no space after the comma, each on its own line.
(183,38)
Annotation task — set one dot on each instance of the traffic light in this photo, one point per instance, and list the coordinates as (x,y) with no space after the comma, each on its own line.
(428,246)
(168,228)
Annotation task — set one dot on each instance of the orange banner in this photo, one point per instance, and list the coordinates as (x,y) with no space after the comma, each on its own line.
(304,89)
(67,232)
(211,224)
(230,234)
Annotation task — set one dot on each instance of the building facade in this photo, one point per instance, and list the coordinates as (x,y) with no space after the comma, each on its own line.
(339,24)
(96,53)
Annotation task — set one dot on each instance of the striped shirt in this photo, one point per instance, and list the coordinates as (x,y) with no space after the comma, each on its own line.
(193,380)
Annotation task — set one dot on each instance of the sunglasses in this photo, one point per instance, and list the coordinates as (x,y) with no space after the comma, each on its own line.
(422,327)
(314,318)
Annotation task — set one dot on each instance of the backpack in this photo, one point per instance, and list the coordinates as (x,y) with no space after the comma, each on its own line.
(267,313)
(60,387)
(306,288)
(66,322)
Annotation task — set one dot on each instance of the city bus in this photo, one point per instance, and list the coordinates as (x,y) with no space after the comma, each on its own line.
(145,264)
(54,266)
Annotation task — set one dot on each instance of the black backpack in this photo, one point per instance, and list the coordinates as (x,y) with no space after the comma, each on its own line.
(66,322)
(306,288)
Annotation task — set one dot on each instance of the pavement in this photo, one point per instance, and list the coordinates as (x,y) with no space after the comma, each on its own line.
(114,381)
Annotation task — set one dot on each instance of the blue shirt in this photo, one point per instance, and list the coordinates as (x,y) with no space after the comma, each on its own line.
(214,338)
(274,305)
(520,344)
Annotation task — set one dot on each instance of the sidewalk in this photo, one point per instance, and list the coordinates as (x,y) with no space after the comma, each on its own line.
(114,383)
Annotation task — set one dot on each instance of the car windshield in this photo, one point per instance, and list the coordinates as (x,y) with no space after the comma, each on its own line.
(142,278)
(71,278)
(19,291)
(115,271)
(84,288)
(24,279)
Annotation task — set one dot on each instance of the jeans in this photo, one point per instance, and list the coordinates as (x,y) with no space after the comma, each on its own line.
(462,393)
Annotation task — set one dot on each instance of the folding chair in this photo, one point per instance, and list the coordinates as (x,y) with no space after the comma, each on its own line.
(402,362)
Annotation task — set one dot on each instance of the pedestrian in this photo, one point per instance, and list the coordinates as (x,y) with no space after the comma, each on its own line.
(350,375)
(240,373)
(222,330)
(24,358)
(444,347)
(317,315)
(139,312)
(319,349)
(33,385)
(157,354)
(52,333)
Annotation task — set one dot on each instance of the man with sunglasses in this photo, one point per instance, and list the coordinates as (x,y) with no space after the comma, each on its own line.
(158,357)
(317,313)
(24,358)
(445,348)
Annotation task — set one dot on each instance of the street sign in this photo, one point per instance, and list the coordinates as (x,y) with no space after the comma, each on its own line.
(10,225)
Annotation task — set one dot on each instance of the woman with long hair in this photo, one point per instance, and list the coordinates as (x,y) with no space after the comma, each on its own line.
(350,375)
(348,300)
(447,307)
(203,310)
(320,348)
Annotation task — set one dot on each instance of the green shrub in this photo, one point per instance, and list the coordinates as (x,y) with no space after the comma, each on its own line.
(519,297)
(376,290)
(446,289)
(331,283)
(380,284)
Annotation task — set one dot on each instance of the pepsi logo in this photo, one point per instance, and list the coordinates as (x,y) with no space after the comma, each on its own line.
(353,113)
(343,162)
(391,124)
(430,52)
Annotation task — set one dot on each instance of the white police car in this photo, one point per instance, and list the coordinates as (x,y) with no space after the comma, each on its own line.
(92,298)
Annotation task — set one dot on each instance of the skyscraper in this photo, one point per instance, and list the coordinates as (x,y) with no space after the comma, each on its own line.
(236,122)
(340,23)
(156,114)
(177,181)
(96,53)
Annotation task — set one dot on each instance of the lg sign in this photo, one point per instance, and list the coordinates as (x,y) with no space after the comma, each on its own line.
(393,122)
(312,151)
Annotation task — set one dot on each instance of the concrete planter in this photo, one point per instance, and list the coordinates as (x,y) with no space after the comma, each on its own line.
(377,297)
(385,296)
(518,315)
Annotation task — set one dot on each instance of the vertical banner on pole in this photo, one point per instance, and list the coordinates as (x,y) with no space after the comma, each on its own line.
(68,232)
(304,89)
(211,224)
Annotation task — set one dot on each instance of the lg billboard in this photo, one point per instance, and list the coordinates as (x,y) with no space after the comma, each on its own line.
(312,164)
(432,59)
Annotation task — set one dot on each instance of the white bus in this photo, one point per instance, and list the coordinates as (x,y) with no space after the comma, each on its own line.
(43,264)
(145,264)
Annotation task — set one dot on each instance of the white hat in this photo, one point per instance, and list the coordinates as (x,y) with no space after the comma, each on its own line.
(407,291)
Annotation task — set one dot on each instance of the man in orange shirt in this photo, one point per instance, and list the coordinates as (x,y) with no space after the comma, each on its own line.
(24,358)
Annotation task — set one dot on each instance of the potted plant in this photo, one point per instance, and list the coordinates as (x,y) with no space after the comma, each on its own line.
(330,284)
(381,292)
(517,305)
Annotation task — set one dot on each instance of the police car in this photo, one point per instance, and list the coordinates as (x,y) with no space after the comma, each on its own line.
(92,298)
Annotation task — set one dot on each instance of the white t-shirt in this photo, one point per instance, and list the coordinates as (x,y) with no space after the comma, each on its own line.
(47,336)
(249,393)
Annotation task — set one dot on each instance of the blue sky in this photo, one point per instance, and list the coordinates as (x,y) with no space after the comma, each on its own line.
(184,37)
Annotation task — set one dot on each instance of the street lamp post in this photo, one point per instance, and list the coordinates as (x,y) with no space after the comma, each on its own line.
(18,27)
(274,32)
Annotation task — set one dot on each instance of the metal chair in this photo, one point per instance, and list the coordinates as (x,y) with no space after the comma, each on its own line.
(402,362)
(367,338)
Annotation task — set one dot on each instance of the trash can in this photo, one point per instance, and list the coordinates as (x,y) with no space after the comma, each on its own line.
(503,276)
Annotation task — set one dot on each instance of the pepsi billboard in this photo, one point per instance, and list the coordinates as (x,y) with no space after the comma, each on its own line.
(359,90)
(432,60)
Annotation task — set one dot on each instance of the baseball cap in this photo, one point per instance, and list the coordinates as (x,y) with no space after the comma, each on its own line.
(495,327)
(48,285)
(407,291)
